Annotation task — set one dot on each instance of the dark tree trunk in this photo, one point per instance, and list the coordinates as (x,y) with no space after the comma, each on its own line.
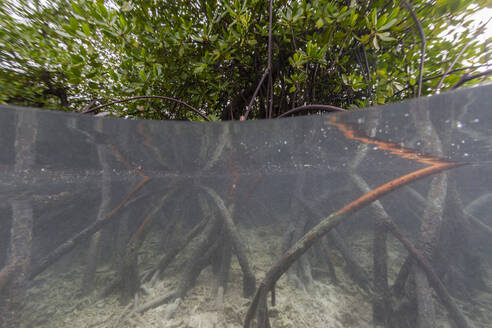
(19,256)
(94,252)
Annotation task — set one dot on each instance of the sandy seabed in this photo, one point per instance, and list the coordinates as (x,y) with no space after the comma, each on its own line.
(55,300)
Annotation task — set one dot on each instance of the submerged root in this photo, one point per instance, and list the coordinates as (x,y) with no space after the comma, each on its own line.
(354,269)
(213,241)
(177,248)
(230,230)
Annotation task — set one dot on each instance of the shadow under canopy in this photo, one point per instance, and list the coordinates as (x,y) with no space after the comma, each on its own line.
(108,222)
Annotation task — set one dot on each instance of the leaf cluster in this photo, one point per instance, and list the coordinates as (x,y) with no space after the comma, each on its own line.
(211,53)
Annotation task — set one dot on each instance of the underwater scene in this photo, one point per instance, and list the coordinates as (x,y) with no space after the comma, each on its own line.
(372,218)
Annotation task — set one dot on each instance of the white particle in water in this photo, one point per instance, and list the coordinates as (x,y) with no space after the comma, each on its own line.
(459,125)
(375,148)
(475,120)
(465,155)
(285,142)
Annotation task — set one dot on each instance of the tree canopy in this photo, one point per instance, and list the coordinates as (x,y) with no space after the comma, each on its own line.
(211,54)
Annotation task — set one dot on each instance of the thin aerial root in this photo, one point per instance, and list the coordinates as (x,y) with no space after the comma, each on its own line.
(6,275)
(82,235)
(225,256)
(435,282)
(249,279)
(252,308)
(331,267)
(201,256)
(356,272)
(273,295)
(401,279)
(327,224)
(171,254)
(130,270)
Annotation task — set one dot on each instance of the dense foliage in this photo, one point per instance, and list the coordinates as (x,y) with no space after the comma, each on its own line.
(212,53)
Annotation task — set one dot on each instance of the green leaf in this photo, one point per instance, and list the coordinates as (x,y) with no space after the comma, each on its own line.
(86,29)
(374,17)
(142,74)
(388,25)
(382,20)
(199,69)
(74,80)
(122,21)
(68,28)
(75,71)
(365,38)
(91,75)
(385,36)
(394,13)
(77,9)
(76,59)
(102,9)
(74,24)
(375,43)
(454,5)
(353,18)
(113,75)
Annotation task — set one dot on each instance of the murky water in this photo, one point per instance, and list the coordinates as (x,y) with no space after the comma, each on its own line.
(372,218)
